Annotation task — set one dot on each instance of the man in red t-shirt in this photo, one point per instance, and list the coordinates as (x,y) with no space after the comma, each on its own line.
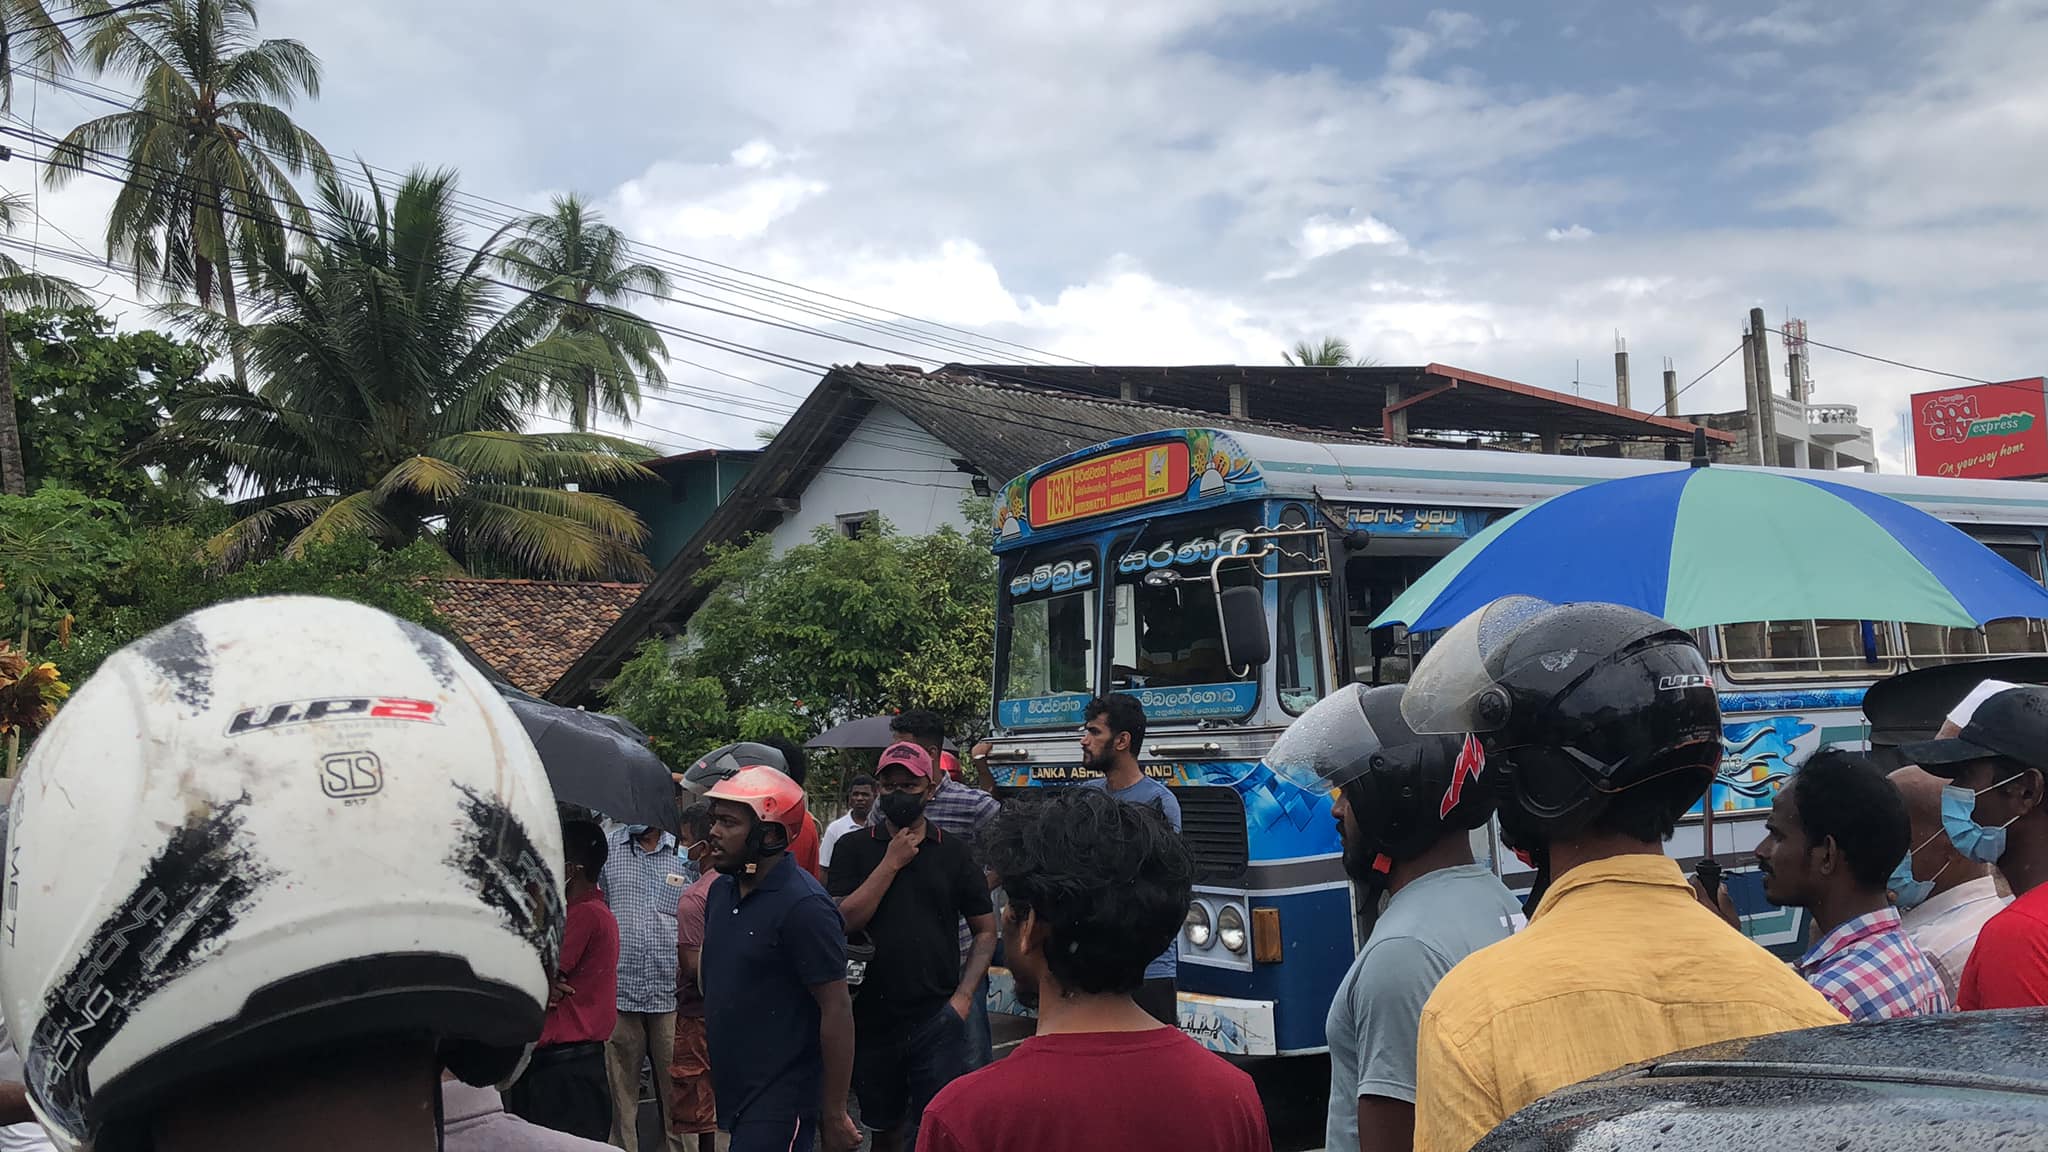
(1993,812)
(564,1086)
(1096,889)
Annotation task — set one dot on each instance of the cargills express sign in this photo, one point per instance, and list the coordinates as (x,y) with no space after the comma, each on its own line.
(1982,431)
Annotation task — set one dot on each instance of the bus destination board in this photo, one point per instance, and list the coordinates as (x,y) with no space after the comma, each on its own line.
(1111,483)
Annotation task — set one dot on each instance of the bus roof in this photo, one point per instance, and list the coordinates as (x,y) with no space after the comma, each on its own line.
(1162,472)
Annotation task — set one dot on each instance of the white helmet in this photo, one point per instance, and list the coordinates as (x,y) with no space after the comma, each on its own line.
(271,827)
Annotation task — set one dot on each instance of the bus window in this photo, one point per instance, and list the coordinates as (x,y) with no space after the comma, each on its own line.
(1770,648)
(1935,644)
(1046,673)
(1385,655)
(1166,632)
(1299,671)
(1298,627)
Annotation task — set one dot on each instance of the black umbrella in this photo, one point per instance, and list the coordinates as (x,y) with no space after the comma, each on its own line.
(597,761)
(872,732)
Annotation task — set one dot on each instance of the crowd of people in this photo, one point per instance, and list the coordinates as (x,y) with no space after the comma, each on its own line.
(270,964)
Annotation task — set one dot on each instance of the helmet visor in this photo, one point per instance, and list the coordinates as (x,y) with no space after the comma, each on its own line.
(1328,746)
(1456,687)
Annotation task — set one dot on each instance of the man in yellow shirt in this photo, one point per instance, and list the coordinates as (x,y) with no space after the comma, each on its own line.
(1605,728)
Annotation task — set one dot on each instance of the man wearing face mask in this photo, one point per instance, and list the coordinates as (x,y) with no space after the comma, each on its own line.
(1405,807)
(1944,898)
(643,880)
(906,883)
(1993,813)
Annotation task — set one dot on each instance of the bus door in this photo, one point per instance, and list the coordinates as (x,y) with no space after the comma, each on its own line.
(1385,550)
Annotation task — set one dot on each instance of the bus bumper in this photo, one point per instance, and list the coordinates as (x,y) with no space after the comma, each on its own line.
(1219,1023)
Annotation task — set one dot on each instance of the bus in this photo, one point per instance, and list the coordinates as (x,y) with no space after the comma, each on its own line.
(1229,580)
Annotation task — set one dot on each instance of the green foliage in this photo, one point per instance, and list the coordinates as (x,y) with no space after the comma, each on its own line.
(87,396)
(831,630)
(57,547)
(210,150)
(168,574)
(583,269)
(394,387)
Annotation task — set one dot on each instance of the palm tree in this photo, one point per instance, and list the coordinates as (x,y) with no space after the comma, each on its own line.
(393,388)
(28,34)
(1333,352)
(20,288)
(209,148)
(579,263)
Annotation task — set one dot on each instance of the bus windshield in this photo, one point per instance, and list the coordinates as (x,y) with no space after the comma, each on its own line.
(1046,674)
(1166,632)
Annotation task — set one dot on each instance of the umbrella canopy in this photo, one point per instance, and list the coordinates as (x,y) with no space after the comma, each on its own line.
(1702,546)
(869,732)
(597,761)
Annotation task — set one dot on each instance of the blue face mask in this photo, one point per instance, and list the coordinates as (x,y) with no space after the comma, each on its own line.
(1908,892)
(1959,820)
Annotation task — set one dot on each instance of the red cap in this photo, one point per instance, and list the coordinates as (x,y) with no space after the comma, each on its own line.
(949,764)
(904,754)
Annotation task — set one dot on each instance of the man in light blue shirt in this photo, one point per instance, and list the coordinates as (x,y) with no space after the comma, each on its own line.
(1405,808)
(1110,742)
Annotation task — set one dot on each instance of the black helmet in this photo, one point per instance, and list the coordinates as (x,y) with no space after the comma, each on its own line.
(722,763)
(1576,703)
(1408,790)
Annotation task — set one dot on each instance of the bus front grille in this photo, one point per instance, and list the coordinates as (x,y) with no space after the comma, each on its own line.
(1212,826)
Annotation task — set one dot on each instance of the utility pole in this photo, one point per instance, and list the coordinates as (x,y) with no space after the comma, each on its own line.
(1752,422)
(1795,359)
(1620,371)
(1670,389)
(1767,410)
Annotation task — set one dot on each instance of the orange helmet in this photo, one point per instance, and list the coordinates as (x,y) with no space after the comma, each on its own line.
(774,797)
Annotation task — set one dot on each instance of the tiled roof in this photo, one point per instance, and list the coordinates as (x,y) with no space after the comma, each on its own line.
(530,631)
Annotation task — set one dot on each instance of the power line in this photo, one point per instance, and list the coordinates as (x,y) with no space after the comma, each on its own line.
(1092,431)
(1707,373)
(1892,362)
(973,344)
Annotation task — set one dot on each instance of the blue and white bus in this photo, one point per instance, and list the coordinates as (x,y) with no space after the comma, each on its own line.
(1119,563)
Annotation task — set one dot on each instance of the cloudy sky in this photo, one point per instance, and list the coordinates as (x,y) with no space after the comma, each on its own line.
(1501,186)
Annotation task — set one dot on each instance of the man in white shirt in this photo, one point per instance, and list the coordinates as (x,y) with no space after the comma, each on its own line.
(861,796)
(1943,897)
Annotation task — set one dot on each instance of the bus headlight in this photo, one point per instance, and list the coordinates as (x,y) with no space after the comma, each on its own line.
(1230,928)
(1196,927)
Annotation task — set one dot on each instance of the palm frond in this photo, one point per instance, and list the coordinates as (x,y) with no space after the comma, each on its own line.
(436,480)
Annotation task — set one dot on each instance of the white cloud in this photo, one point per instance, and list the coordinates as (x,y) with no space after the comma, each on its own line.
(756,154)
(1323,236)
(1117,179)
(1442,29)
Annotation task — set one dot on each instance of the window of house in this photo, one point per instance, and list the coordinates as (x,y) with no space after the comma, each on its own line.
(854,525)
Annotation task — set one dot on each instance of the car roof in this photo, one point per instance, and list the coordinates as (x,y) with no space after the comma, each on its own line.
(1976,1081)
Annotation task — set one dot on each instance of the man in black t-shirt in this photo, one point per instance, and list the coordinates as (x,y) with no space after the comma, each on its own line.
(907,884)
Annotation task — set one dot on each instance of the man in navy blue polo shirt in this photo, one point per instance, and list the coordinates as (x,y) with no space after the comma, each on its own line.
(776,1010)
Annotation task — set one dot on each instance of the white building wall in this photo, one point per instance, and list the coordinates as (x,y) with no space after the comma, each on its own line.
(888,465)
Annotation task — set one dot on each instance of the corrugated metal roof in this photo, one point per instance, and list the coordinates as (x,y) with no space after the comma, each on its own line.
(1005,430)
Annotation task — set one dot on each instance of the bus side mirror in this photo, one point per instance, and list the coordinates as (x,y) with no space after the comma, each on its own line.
(1242,612)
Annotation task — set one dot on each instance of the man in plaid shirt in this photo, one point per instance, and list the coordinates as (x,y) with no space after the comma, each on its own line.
(1833,836)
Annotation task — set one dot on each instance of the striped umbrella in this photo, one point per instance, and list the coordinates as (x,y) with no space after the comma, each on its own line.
(1702,546)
